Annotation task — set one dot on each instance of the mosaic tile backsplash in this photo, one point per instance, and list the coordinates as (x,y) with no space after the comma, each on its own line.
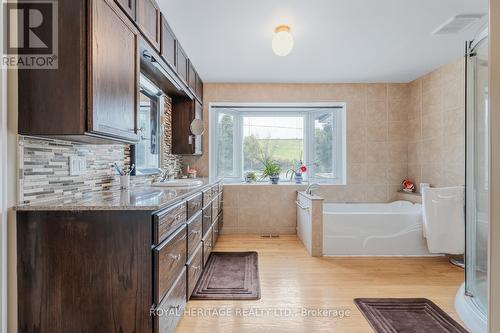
(44,165)
(44,173)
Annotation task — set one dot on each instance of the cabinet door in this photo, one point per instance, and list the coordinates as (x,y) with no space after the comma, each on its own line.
(128,6)
(198,139)
(199,87)
(182,63)
(168,44)
(148,19)
(192,77)
(114,73)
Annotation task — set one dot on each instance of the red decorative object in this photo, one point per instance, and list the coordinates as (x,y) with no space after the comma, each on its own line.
(408,185)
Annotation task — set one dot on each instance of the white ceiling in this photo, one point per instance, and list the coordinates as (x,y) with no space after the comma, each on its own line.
(335,40)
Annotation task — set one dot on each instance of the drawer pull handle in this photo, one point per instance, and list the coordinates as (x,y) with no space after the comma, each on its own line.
(196,232)
(176,257)
(196,267)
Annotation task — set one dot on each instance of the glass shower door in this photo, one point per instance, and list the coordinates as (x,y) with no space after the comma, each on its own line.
(477,207)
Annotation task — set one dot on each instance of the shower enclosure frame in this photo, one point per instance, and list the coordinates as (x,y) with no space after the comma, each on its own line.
(472,298)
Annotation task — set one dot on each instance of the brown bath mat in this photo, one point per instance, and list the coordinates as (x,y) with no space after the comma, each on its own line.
(229,276)
(406,315)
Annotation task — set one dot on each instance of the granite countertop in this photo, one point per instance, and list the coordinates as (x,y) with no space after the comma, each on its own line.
(142,197)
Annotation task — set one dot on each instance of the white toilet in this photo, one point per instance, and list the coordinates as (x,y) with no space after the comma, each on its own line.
(444,219)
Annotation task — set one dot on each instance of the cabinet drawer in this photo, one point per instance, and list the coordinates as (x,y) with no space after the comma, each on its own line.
(207,196)
(168,313)
(220,201)
(215,190)
(207,218)
(215,208)
(221,222)
(207,246)
(194,230)
(194,204)
(215,232)
(169,260)
(166,221)
(194,269)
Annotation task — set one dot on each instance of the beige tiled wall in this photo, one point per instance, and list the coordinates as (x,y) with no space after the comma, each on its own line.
(376,133)
(394,131)
(436,123)
(260,209)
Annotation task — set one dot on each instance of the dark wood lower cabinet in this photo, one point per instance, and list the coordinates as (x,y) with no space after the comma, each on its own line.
(102,271)
(86,271)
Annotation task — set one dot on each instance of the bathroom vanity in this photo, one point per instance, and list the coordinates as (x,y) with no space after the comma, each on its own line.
(114,262)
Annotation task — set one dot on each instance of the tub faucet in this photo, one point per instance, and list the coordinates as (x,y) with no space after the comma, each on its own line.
(311,188)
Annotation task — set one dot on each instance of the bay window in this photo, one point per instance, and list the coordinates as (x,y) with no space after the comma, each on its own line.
(242,136)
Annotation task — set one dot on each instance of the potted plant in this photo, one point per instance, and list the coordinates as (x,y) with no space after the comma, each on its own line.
(296,173)
(272,170)
(250,177)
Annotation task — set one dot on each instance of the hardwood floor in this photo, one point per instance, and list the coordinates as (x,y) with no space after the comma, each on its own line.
(291,281)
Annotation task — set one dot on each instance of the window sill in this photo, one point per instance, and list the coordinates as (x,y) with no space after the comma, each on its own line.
(229,182)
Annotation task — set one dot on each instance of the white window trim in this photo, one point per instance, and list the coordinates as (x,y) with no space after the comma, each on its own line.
(341,180)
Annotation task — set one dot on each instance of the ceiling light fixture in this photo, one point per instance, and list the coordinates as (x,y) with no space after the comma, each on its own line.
(282,41)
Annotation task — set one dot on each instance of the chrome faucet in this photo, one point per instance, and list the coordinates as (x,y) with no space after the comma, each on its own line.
(169,173)
(311,188)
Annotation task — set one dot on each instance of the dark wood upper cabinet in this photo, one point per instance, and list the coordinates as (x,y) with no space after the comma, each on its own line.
(129,7)
(168,44)
(199,88)
(182,64)
(184,111)
(195,83)
(114,72)
(192,77)
(148,19)
(93,95)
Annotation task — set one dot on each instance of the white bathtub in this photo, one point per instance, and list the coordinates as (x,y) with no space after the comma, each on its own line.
(392,229)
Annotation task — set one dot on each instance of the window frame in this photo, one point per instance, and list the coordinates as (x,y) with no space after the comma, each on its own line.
(307,110)
(147,88)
